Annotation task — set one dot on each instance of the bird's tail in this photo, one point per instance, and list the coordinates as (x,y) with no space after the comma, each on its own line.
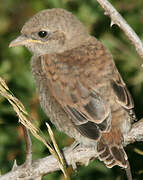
(112,154)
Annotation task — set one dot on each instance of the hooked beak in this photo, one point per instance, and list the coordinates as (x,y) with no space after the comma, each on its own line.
(20,41)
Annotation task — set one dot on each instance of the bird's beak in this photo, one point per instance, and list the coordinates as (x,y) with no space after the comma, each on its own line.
(19,41)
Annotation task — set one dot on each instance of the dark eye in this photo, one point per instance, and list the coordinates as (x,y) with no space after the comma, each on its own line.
(42,34)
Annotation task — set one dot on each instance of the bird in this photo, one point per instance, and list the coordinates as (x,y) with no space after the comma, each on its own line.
(79,86)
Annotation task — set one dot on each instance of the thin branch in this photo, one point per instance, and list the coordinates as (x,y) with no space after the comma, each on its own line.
(128,171)
(28,146)
(82,155)
(116,18)
(135,134)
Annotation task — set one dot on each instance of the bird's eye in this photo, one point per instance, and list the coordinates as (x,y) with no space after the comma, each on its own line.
(42,34)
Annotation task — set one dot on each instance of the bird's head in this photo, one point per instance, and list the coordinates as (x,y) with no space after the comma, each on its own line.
(50,31)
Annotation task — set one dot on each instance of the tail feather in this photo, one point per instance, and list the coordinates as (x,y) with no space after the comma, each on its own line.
(112,155)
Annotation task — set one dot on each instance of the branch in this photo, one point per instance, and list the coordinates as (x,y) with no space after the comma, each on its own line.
(28,146)
(81,155)
(135,134)
(116,18)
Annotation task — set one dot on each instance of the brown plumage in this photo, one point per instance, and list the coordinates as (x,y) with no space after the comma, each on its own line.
(79,86)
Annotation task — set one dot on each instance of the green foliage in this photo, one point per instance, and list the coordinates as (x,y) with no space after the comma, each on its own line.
(15,69)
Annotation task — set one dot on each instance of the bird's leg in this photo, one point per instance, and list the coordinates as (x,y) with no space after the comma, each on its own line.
(74,145)
(70,149)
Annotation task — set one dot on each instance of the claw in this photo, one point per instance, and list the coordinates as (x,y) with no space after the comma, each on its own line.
(74,166)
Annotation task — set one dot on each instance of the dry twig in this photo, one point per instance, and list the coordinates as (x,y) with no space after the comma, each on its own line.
(116,18)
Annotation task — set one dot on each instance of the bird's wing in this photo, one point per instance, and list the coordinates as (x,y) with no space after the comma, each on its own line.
(122,94)
(74,87)
(81,82)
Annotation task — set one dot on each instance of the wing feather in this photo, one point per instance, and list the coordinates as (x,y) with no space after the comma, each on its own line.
(88,111)
(123,96)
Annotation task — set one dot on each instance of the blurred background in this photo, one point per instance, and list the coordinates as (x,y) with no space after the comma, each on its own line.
(15,69)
